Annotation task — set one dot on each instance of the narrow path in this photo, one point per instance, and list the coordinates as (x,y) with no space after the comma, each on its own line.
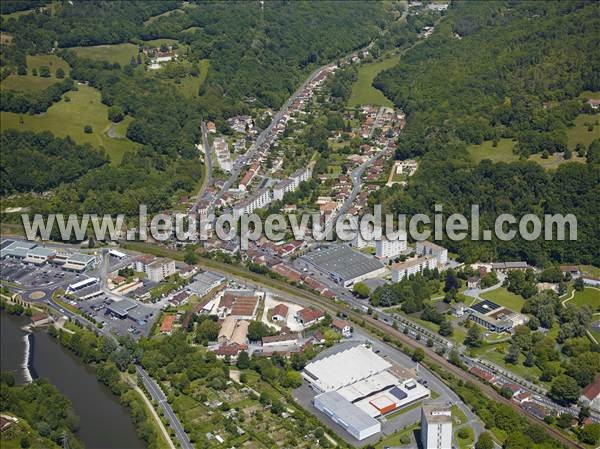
(569,298)
(156,417)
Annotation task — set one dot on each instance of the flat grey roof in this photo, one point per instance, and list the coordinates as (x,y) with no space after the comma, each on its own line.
(41,251)
(17,248)
(122,307)
(345,411)
(81,258)
(343,261)
(140,313)
(204,282)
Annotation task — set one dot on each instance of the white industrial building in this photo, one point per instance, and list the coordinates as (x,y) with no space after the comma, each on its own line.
(344,368)
(39,255)
(347,415)
(356,386)
(386,248)
(79,262)
(436,426)
(426,248)
(413,266)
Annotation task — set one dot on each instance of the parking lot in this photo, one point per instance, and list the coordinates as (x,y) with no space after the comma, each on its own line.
(30,275)
(97,308)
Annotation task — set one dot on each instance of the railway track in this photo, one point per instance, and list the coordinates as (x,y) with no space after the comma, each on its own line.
(357,318)
(232,271)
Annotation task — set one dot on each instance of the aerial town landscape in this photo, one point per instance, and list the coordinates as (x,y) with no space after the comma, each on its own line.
(284,110)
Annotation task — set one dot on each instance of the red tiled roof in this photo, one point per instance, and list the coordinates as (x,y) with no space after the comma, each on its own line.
(279,338)
(309,315)
(280,309)
(481,373)
(592,390)
(339,324)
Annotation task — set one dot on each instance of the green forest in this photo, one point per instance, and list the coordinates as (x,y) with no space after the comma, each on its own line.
(257,58)
(490,71)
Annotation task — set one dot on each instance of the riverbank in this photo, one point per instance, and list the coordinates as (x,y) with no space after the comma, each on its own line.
(96,407)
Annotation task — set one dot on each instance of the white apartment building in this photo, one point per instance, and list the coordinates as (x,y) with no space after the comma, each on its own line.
(255,201)
(223,154)
(426,248)
(160,269)
(436,426)
(412,266)
(290,184)
(385,248)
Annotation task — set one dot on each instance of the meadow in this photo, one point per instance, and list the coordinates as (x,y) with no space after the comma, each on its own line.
(68,118)
(363,91)
(119,53)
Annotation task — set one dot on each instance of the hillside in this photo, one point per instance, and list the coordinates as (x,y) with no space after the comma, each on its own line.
(496,71)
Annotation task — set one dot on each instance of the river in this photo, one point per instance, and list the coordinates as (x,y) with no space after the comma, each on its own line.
(103,422)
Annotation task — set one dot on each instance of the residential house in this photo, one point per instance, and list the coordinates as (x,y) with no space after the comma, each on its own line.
(308,316)
(279,313)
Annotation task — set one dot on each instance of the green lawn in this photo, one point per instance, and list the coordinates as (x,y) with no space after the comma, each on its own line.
(590,270)
(394,439)
(554,160)
(502,153)
(531,373)
(589,296)
(458,416)
(580,134)
(189,86)
(164,14)
(51,61)
(120,53)
(505,298)
(69,118)
(30,83)
(363,92)
(467,442)
(27,83)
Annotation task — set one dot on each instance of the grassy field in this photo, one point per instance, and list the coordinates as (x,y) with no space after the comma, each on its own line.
(120,53)
(465,443)
(554,160)
(30,83)
(51,61)
(580,134)
(363,92)
(505,298)
(190,85)
(531,373)
(394,439)
(502,153)
(164,14)
(589,296)
(27,83)
(590,270)
(69,118)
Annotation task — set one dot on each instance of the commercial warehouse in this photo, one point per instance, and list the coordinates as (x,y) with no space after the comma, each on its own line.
(356,386)
(344,265)
(354,421)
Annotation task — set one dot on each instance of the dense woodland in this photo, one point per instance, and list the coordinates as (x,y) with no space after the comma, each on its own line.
(40,403)
(491,83)
(258,57)
(40,162)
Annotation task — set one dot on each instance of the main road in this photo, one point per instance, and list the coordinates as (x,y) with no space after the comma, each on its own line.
(157,395)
